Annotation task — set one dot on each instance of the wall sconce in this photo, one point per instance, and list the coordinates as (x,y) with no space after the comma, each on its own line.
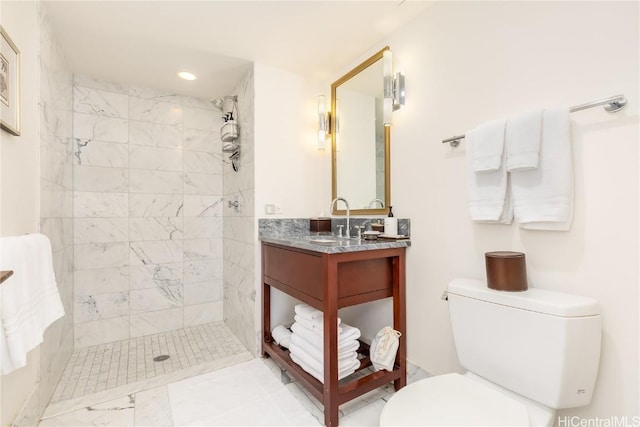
(394,89)
(324,123)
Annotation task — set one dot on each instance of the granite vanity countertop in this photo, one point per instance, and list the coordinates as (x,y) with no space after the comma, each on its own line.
(340,244)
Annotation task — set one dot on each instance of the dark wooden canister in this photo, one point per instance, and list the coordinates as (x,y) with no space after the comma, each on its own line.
(506,271)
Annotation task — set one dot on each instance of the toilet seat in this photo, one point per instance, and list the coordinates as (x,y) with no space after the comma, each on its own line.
(452,399)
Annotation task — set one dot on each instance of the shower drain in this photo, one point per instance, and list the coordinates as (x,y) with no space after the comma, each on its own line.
(161,358)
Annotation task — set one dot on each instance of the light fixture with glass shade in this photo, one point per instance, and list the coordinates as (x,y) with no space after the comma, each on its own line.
(394,89)
(324,127)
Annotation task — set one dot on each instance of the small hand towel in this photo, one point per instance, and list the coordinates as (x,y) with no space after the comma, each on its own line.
(488,193)
(489,140)
(523,136)
(345,339)
(30,301)
(306,311)
(543,197)
(319,375)
(281,336)
(316,325)
(347,352)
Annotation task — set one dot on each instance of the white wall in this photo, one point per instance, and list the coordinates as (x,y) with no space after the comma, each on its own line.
(19,178)
(468,62)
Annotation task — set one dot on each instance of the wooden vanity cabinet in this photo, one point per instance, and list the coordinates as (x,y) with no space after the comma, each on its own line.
(328,282)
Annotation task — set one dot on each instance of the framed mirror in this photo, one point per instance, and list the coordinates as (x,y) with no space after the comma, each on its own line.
(359,140)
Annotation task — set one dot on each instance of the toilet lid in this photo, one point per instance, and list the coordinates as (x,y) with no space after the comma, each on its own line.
(452,399)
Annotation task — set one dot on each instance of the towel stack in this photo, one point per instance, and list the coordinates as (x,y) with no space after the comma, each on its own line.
(307,344)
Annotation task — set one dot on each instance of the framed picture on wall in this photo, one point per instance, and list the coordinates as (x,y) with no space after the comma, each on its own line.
(9,84)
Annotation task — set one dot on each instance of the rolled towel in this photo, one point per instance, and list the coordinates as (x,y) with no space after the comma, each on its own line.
(345,353)
(319,375)
(522,140)
(316,325)
(346,338)
(306,311)
(318,364)
(489,140)
(281,336)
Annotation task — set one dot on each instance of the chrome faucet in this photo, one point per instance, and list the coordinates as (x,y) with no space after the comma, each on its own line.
(333,203)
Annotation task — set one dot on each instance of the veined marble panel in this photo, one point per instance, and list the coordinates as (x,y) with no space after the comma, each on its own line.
(195,118)
(152,158)
(153,408)
(198,293)
(59,231)
(101,331)
(101,306)
(118,412)
(90,204)
(156,276)
(202,162)
(98,230)
(202,249)
(89,82)
(202,228)
(101,255)
(202,184)
(147,181)
(242,230)
(153,111)
(200,140)
(99,102)
(155,135)
(99,179)
(156,321)
(95,153)
(154,299)
(155,94)
(202,271)
(203,104)
(203,313)
(55,160)
(203,206)
(155,228)
(99,128)
(55,201)
(155,205)
(95,281)
(155,252)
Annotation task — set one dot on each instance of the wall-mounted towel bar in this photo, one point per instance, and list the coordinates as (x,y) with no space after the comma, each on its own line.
(612,104)
(4,275)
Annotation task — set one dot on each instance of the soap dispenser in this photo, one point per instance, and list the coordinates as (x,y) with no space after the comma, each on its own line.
(390,224)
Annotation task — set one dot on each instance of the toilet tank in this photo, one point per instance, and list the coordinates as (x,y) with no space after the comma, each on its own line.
(540,344)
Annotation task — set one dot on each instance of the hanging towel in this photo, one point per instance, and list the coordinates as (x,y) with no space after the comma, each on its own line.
(345,339)
(346,352)
(489,140)
(316,325)
(319,374)
(523,136)
(489,199)
(281,336)
(543,197)
(30,301)
(306,311)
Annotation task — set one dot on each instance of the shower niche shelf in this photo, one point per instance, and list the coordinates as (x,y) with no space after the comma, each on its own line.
(328,282)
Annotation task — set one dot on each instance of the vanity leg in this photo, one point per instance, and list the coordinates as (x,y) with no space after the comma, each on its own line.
(330,310)
(400,318)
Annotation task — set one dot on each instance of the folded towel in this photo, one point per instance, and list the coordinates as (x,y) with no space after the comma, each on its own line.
(319,374)
(316,364)
(30,301)
(522,139)
(306,311)
(345,353)
(543,197)
(281,336)
(346,338)
(488,193)
(316,325)
(489,140)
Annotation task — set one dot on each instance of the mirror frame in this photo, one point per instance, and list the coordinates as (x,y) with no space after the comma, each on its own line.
(387,144)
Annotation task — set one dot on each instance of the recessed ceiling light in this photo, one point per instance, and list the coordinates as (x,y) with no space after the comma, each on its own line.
(186,75)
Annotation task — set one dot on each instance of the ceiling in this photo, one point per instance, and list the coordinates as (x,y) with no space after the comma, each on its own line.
(148,42)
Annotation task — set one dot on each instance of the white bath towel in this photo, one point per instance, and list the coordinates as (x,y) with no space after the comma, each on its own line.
(522,140)
(281,336)
(316,325)
(319,374)
(307,311)
(543,197)
(345,339)
(310,360)
(347,352)
(489,140)
(488,193)
(30,301)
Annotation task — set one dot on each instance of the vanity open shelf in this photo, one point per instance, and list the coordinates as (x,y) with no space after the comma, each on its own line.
(329,281)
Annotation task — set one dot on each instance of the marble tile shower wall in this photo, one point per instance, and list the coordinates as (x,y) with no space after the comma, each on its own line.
(147,212)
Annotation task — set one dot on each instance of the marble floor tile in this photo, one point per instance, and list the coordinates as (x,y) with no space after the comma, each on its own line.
(153,407)
(117,412)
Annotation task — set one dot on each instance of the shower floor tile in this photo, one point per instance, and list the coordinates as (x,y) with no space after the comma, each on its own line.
(107,366)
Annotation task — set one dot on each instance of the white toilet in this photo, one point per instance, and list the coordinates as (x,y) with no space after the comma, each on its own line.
(526,353)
